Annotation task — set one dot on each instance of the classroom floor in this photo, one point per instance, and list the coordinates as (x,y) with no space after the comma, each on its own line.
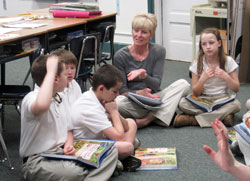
(193,163)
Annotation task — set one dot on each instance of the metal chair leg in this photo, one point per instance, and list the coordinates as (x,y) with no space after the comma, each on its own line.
(18,108)
(2,117)
(26,77)
(4,148)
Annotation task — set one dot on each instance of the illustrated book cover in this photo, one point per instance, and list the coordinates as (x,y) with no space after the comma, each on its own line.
(87,151)
(145,102)
(243,129)
(231,136)
(157,158)
(209,106)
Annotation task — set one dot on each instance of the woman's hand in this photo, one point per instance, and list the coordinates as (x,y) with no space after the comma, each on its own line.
(147,92)
(141,73)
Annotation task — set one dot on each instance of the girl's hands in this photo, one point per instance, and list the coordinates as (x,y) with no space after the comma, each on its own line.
(217,72)
(207,74)
(220,73)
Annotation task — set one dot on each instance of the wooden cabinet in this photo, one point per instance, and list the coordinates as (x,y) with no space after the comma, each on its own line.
(244,71)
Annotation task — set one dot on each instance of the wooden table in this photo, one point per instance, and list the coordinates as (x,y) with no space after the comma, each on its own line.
(55,26)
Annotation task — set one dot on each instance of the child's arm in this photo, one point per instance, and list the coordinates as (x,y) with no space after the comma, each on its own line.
(116,132)
(43,99)
(199,81)
(231,79)
(68,146)
(224,158)
(124,123)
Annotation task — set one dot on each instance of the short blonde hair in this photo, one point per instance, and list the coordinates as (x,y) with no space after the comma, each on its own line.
(145,21)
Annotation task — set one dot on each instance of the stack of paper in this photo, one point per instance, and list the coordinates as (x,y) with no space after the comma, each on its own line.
(24,24)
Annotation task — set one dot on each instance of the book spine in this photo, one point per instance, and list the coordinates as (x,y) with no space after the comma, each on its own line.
(76,14)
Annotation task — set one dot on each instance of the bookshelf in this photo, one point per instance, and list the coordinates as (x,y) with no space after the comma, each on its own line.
(204,16)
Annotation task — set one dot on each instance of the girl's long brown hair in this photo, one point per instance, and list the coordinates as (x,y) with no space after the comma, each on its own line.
(221,53)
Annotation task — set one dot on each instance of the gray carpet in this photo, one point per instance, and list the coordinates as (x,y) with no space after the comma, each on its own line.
(193,162)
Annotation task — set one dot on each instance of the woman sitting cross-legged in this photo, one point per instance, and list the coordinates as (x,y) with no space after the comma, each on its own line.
(142,66)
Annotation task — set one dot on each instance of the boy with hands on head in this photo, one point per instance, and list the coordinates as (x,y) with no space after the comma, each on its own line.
(72,91)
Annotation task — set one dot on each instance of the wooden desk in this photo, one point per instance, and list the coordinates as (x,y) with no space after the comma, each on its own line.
(57,26)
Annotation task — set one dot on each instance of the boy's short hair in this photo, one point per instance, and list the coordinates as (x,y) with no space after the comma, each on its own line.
(66,56)
(107,75)
(39,70)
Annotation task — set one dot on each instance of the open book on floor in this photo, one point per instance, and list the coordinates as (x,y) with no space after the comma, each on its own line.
(157,158)
(145,102)
(208,106)
(243,129)
(87,151)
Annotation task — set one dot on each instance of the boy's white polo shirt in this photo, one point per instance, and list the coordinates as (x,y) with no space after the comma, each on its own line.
(89,117)
(45,132)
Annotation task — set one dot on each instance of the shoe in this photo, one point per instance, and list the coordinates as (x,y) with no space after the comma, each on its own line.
(118,169)
(184,120)
(193,121)
(137,143)
(229,120)
(131,163)
(234,147)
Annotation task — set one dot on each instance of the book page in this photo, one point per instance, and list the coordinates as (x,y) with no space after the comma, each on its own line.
(87,151)
(8,30)
(13,19)
(6,36)
(25,25)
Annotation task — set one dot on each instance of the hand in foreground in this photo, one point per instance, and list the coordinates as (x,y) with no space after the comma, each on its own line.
(68,149)
(223,158)
(147,92)
(141,73)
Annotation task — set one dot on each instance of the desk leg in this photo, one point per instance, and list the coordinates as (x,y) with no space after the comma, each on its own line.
(3,74)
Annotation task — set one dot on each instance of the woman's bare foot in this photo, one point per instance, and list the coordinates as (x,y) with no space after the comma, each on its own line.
(145,121)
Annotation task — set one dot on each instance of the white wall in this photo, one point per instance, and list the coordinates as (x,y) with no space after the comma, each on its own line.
(126,10)
(14,7)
